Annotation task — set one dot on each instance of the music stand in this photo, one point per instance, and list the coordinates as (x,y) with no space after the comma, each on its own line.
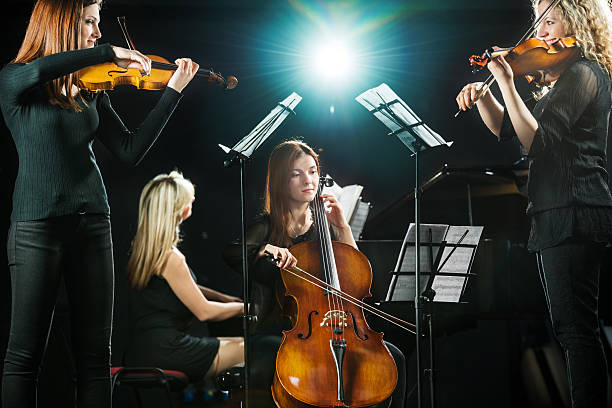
(240,153)
(448,255)
(387,107)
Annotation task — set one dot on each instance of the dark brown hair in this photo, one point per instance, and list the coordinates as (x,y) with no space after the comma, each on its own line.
(55,26)
(277,183)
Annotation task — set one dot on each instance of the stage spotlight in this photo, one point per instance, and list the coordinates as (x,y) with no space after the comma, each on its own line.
(334,61)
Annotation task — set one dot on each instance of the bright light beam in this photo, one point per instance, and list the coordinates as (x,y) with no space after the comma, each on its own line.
(334,62)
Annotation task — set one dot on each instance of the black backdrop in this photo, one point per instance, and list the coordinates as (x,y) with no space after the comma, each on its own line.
(421,52)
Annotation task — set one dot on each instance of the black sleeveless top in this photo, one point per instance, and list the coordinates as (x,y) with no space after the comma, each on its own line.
(159,338)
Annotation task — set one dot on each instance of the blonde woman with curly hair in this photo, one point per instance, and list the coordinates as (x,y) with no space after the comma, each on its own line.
(166,296)
(570,204)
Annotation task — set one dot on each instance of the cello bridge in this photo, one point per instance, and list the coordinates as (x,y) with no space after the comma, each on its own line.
(335,318)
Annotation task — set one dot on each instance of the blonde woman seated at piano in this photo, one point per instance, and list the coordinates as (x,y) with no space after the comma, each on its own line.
(166,296)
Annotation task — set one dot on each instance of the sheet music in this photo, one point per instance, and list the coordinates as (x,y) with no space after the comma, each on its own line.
(450,288)
(383,95)
(358,220)
(248,144)
(404,284)
(453,260)
(438,232)
(347,197)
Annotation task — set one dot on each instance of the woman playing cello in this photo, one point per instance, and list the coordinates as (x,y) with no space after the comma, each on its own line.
(291,186)
(570,204)
(60,221)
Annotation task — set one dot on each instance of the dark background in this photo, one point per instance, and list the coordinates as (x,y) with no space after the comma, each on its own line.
(419,48)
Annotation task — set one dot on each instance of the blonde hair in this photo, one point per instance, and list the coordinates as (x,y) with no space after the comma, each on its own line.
(160,210)
(277,181)
(590,21)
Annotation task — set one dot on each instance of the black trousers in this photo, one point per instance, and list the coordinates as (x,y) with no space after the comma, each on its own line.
(77,248)
(570,276)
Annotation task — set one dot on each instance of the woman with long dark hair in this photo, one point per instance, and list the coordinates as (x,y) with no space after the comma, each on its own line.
(60,227)
(291,185)
(565,136)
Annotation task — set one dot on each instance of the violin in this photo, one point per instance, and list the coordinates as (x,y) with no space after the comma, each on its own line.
(537,60)
(106,76)
(533,58)
(330,357)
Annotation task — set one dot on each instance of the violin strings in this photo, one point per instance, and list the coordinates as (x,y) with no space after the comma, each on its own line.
(171,67)
(321,284)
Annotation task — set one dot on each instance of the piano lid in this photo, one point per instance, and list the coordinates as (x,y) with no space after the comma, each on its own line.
(488,196)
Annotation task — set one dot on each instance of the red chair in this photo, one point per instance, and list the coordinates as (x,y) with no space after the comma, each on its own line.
(148,377)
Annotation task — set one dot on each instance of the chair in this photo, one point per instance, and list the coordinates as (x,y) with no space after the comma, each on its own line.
(148,377)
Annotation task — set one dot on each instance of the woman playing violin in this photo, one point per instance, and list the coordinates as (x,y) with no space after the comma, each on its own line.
(166,297)
(60,220)
(565,137)
(291,186)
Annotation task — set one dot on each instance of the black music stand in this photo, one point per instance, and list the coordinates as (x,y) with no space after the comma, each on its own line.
(239,154)
(386,106)
(447,254)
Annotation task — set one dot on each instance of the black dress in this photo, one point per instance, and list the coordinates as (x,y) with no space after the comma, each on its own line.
(159,336)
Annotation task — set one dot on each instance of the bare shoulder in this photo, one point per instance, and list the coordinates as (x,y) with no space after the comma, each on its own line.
(175,264)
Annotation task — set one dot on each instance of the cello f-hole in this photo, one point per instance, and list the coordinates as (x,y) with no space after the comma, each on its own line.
(301,335)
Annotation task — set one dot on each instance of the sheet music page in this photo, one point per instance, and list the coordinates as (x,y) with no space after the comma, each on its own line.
(383,94)
(449,288)
(358,220)
(438,231)
(347,197)
(404,288)
(247,145)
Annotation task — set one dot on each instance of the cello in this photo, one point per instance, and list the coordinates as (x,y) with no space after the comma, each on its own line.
(330,357)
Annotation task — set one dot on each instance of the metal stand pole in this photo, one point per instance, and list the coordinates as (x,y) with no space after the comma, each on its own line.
(245,284)
(417,274)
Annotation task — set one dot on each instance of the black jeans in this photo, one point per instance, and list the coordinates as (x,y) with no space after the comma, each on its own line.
(77,248)
(570,276)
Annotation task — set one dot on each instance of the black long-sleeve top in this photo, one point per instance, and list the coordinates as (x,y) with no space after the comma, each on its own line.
(568,190)
(58,174)
(264,273)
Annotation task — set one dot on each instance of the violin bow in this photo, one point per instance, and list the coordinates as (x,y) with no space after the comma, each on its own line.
(126,35)
(490,79)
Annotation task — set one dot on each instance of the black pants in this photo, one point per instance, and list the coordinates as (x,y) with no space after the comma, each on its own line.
(570,276)
(263,359)
(77,248)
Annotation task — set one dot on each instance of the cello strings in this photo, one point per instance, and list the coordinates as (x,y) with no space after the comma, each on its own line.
(333,275)
(338,314)
(297,272)
(324,263)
